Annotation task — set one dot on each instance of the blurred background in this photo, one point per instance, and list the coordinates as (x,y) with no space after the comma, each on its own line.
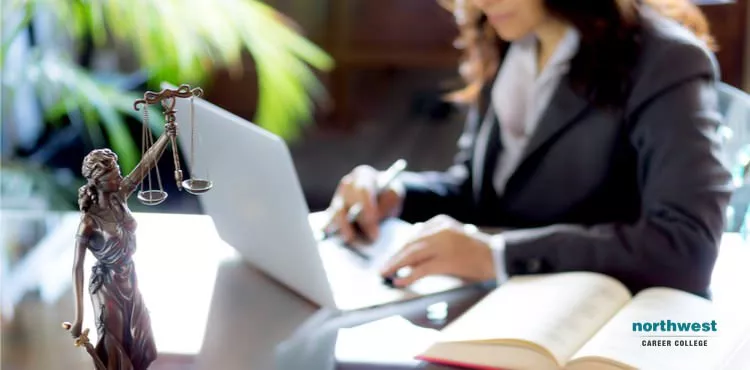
(344,82)
(327,76)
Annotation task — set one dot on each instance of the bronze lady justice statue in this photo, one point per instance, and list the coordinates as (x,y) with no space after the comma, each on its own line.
(107,230)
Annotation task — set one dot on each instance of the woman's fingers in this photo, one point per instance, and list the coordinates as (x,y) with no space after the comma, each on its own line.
(365,187)
(368,218)
(356,189)
(412,255)
(423,245)
(430,252)
(427,267)
(346,230)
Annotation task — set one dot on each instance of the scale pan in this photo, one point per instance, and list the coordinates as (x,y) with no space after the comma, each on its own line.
(197,186)
(152,197)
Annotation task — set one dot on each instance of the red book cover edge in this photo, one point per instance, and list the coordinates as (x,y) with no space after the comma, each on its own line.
(456,363)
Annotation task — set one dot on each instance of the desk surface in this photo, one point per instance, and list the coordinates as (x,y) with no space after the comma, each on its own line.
(212,310)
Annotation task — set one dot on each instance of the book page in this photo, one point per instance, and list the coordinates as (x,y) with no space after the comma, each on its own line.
(484,355)
(558,312)
(663,328)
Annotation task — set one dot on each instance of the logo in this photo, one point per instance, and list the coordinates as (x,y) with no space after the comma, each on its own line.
(668,333)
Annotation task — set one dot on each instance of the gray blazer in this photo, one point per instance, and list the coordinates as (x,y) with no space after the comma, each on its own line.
(638,194)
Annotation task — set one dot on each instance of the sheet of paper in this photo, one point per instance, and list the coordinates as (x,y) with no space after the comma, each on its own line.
(394,234)
(396,339)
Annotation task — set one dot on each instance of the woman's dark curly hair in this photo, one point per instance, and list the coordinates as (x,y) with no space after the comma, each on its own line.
(607,53)
(97,164)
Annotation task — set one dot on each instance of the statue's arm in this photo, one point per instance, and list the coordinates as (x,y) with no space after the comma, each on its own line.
(86,230)
(147,163)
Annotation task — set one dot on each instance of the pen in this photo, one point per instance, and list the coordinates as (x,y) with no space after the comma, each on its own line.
(383,181)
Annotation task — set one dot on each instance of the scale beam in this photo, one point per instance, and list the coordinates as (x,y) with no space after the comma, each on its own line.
(184,91)
(168,99)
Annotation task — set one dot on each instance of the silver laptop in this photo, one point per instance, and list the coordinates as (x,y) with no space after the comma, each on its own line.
(258,207)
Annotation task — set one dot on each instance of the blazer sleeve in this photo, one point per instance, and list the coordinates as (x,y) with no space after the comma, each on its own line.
(684,187)
(449,192)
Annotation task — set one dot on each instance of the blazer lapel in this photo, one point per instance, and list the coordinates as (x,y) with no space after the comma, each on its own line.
(487,117)
(488,145)
(564,108)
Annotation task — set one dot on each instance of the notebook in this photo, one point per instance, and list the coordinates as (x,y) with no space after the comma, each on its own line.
(584,320)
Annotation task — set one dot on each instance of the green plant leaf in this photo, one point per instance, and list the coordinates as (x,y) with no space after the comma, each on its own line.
(77,91)
(28,12)
(182,41)
(176,41)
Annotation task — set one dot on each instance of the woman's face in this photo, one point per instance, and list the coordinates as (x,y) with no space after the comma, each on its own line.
(110,181)
(513,19)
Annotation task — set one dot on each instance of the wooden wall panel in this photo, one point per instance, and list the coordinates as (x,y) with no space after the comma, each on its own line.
(369,35)
(729,27)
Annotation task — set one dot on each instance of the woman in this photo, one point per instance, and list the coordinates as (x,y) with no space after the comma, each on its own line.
(107,230)
(590,139)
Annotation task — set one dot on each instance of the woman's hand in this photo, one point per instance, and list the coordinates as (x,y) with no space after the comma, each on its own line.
(443,246)
(360,187)
(75,328)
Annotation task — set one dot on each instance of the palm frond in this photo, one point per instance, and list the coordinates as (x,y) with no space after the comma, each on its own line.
(176,41)
(182,41)
(9,37)
(71,89)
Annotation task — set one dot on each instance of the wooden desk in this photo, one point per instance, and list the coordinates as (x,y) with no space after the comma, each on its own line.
(211,310)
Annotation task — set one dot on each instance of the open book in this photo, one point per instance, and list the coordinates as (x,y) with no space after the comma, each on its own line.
(583,320)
